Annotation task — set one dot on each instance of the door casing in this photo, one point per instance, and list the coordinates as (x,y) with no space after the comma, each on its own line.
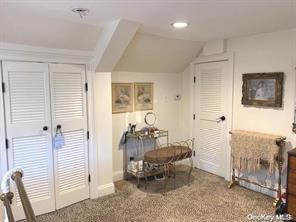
(44,68)
(229,57)
(13,52)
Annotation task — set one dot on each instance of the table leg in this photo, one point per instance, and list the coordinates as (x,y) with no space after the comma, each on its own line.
(138,184)
(145,174)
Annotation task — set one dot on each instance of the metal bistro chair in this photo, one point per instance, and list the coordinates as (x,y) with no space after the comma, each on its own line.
(165,158)
(7,196)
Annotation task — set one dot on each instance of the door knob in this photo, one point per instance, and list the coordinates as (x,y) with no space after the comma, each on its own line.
(45,128)
(222,118)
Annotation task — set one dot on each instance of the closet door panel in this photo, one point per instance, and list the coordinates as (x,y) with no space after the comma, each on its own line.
(69,111)
(213,99)
(27,110)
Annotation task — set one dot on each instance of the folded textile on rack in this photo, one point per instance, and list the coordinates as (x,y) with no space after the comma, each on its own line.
(248,149)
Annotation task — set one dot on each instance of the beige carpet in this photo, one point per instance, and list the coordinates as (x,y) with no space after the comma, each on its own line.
(207,199)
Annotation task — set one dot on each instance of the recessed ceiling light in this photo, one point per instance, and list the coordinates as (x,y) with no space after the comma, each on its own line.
(180,25)
(82,12)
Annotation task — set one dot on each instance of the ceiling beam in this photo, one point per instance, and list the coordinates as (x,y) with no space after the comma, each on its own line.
(112,43)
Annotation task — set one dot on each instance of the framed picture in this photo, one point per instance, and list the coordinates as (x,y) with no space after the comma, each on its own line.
(143,98)
(122,97)
(263,89)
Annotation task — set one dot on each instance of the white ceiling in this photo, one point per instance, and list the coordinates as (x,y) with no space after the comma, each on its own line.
(158,47)
(209,19)
(154,54)
(38,29)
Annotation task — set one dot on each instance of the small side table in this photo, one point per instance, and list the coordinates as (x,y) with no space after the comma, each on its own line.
(140,136)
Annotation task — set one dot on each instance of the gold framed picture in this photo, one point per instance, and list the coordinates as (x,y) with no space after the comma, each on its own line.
(143,96)
(263,89)
(122,97)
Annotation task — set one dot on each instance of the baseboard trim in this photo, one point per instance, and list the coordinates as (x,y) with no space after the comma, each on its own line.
(117,175)
(106,189)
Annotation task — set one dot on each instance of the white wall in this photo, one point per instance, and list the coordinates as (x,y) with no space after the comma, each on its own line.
(166,108)
(103,125)
(270,52)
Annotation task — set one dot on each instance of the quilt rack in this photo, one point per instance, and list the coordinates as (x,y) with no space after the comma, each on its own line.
(280,142)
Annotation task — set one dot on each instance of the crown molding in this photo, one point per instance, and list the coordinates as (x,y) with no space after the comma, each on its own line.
(19,52)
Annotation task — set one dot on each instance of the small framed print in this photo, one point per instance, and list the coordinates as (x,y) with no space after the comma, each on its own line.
(143,96)
(263,89)
(122,97)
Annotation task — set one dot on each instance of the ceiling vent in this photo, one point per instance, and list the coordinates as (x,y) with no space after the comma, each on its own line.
(82,12)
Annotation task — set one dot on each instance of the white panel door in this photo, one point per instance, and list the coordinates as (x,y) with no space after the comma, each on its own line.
(213,105)
(28,126)
(69,111)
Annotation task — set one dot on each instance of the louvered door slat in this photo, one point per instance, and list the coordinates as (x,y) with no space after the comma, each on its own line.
(23,88)
(35,167)
(210,141)
(27,110)
(67,159)
(69,111)
(69,84)
(210,92)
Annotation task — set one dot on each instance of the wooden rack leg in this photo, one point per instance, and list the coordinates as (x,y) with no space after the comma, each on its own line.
(233,181)
(280,143)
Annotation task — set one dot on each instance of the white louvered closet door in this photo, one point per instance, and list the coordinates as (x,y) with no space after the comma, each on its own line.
(28,126)
(69,111)
(213,100)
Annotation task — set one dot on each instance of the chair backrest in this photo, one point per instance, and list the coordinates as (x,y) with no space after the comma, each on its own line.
(180,150)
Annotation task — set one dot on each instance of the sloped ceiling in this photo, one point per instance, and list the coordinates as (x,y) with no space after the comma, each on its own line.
(36,29)
(155,54)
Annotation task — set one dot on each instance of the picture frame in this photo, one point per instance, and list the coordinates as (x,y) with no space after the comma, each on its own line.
(143,96)
(263,89)
(122,97)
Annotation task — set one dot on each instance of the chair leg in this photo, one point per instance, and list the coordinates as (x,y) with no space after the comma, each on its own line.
(166,177)
(174,174)
(190,170)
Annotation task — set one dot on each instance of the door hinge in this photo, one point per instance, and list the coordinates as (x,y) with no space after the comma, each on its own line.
(193,116)
(86,87)
(3,87)
(87,135)
(6,143)
(89,178)
(193,152)
(194,79)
